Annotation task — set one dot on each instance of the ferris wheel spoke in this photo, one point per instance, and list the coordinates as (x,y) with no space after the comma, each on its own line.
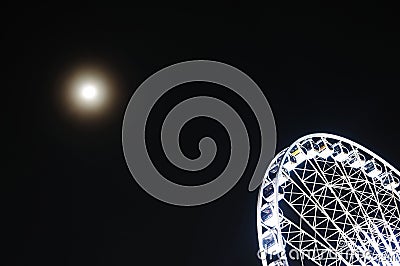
(305,241)
(306,214)
(348,223)
(374,199)
(361,209)
(386,225)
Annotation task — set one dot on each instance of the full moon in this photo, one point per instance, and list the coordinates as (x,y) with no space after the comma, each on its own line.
(89,92)
(89,95)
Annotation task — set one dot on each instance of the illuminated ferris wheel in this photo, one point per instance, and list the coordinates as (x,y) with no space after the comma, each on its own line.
(326,200)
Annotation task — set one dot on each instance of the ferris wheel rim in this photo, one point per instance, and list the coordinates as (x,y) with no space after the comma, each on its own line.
(340,138)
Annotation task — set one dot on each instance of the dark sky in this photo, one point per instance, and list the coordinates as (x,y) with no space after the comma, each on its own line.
(68,196)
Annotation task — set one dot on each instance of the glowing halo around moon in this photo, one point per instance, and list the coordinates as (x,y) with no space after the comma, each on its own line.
(88,92)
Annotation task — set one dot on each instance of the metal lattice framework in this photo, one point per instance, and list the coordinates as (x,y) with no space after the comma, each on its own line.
(326,200)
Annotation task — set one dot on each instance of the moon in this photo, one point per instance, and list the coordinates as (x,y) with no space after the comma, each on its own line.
(89,92)
(90,95)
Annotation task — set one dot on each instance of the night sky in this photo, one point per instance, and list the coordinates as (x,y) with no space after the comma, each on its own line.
(68,197)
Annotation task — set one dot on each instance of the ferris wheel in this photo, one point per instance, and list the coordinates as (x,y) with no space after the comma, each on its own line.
(327,200)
